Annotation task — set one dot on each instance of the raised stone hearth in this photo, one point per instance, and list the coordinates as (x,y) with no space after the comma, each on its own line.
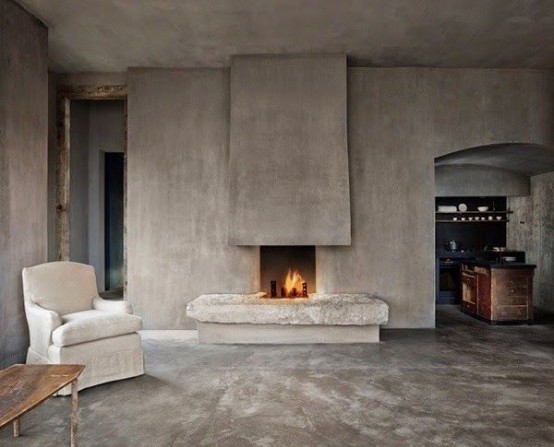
(320,318)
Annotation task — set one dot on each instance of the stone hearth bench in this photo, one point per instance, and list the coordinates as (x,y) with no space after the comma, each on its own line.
(320,318)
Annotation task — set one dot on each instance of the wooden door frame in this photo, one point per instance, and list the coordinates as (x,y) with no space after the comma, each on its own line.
(66,94)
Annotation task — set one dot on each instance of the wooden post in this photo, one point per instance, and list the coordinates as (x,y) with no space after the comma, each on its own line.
(63,177)
(125,191)
(74,412)
(16,428)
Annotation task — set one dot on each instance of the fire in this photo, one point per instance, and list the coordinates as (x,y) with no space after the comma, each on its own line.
(293,281)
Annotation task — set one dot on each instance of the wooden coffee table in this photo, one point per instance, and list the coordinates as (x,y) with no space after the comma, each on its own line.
(23,387)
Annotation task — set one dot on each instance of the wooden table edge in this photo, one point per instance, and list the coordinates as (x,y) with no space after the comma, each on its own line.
(36,404)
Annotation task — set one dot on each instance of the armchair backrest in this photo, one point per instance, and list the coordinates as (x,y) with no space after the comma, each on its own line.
(64,287)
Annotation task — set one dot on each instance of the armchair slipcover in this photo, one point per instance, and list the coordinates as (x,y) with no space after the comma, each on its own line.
(70,323)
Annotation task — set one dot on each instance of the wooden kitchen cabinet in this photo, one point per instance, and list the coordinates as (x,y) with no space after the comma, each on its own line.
(497,294)
(469,291)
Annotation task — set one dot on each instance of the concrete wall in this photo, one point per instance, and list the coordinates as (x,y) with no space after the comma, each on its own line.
(474,180)
(23,167)
(177,202)
(531,228)
(289,161)
(399,120)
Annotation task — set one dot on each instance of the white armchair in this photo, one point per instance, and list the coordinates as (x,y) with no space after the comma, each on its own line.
(70,323)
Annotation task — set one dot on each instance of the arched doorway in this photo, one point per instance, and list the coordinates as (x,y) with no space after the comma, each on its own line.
(513,186)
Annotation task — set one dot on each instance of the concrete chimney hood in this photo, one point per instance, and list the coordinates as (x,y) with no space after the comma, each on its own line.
(289,181)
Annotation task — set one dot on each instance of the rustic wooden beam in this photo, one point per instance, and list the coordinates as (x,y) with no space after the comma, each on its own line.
(63,180)
(125,200)
(92,92)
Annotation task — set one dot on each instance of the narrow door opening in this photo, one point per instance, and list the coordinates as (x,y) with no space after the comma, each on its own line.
(113,221)
(97,173)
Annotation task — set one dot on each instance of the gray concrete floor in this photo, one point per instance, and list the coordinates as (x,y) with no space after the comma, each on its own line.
(463,384)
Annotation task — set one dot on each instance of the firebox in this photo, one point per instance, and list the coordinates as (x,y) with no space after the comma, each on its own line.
(287,271)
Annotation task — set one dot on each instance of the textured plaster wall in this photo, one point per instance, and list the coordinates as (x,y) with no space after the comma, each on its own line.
(177,208)
(532,229)
(399,120)
(23,167)
(289,160)
(474,180)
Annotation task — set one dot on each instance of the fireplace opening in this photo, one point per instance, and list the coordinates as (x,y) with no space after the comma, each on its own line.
(287,271)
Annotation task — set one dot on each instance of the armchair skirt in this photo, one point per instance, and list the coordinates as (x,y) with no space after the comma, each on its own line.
(70,323)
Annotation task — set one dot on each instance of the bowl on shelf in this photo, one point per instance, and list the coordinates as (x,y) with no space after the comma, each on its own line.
(482,208)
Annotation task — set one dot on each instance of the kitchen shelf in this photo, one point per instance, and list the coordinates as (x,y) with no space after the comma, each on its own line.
(474,212)
(471,221)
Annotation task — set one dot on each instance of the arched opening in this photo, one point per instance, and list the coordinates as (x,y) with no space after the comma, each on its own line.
(494,231)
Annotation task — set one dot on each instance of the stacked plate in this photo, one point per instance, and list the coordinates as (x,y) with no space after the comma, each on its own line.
(447,209)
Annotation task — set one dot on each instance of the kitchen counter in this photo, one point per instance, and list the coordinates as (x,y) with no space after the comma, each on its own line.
(499,265)
(498,292)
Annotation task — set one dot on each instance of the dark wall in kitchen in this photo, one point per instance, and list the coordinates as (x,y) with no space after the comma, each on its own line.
(472,235)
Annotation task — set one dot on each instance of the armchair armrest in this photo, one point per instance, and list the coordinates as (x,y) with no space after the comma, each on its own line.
(117,306)
(42,323)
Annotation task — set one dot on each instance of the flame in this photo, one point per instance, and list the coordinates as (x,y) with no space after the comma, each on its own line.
(293,281)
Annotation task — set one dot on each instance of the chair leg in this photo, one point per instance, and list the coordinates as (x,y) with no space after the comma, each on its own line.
(16,428)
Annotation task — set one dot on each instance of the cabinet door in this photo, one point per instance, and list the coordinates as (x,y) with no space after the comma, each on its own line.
(484,294)
(469,292)
(512,295)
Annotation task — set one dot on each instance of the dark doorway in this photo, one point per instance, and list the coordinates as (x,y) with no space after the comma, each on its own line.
(113,215)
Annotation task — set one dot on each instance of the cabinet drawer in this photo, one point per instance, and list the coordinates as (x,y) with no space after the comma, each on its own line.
(469,307)
(508,313)
(513,291)
(512,299)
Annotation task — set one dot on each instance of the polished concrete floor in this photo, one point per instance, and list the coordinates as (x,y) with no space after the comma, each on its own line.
(463,384)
